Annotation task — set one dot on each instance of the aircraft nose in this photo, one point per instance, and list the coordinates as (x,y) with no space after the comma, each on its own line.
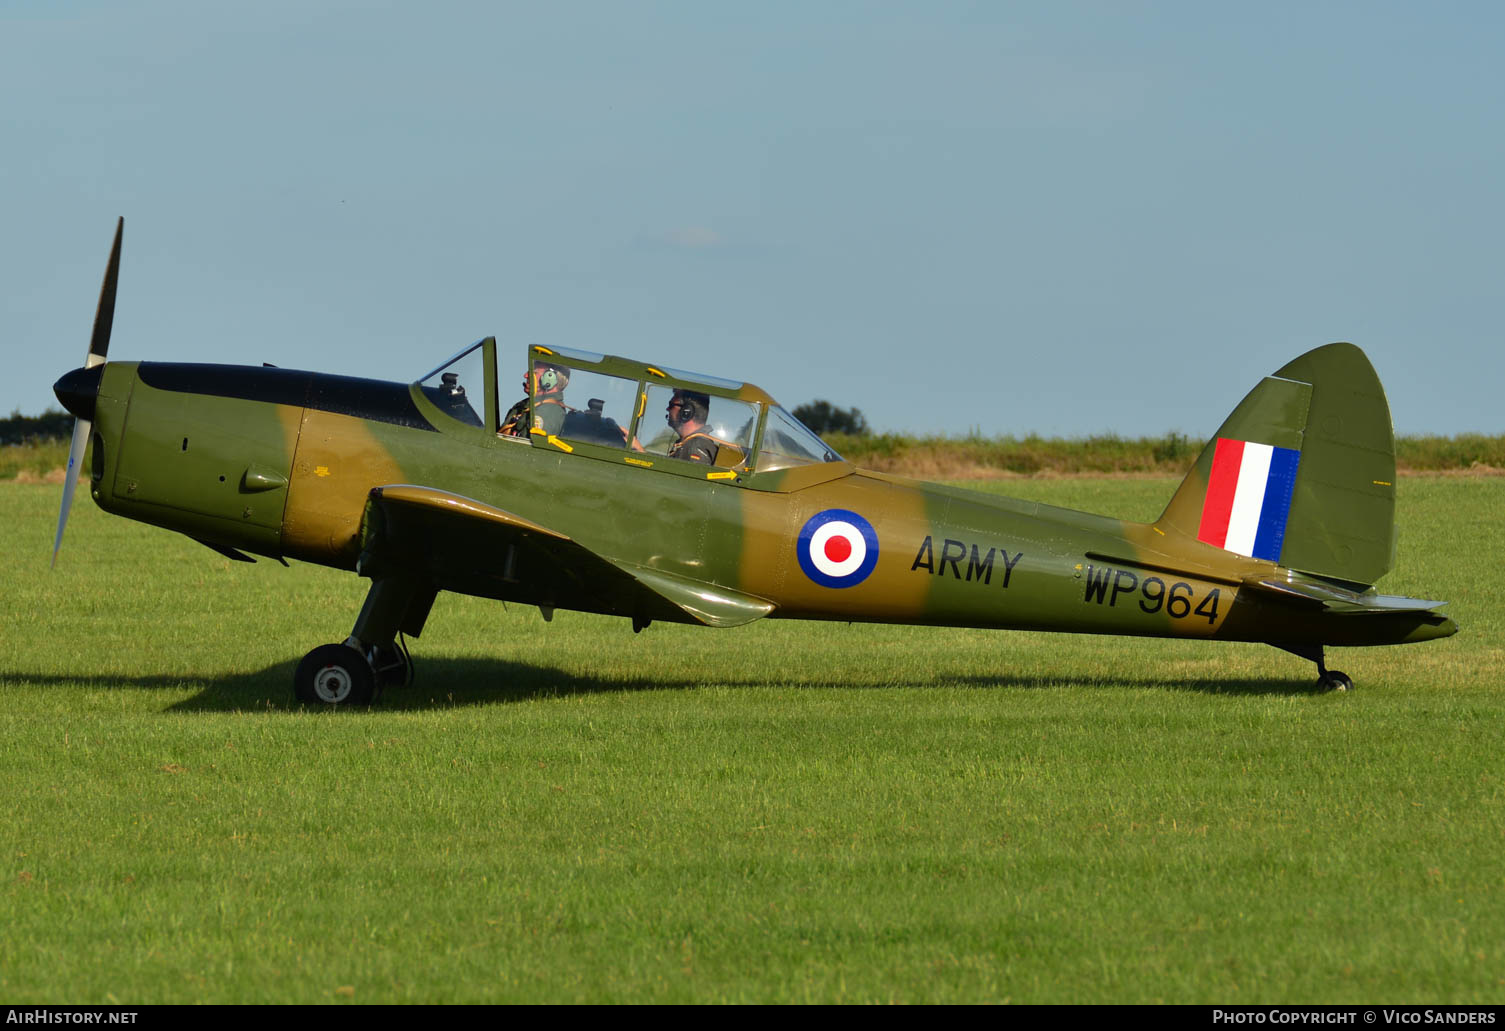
(78,389)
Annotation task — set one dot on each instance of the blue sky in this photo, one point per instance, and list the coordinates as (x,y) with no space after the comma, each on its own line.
(1065,218)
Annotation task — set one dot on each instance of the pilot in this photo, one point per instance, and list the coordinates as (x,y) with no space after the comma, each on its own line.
(543,409)
(687,414)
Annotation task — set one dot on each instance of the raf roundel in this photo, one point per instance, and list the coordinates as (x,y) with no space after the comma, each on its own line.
(837,548)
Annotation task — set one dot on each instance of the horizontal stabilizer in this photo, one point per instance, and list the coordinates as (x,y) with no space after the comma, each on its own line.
(1330,598)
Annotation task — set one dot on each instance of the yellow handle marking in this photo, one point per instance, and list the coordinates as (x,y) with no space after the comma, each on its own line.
(561,445)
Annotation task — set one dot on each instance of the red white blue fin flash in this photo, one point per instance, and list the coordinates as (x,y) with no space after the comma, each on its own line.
(1249,498)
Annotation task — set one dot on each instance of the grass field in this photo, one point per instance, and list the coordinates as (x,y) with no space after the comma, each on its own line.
(782,813)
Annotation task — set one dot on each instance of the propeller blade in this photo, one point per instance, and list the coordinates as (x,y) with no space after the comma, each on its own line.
(81,428)
(99,346)
(104,315)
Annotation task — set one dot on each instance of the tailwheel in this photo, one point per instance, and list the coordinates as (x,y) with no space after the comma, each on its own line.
(1327,679)
(335,675)
(1334,680)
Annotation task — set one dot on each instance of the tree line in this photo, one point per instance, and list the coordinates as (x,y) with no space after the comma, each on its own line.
(52,424)
(822,417)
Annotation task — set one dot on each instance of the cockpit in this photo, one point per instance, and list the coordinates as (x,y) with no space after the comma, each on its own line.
(623,410)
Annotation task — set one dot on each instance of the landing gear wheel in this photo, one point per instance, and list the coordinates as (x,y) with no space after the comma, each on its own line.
(334,675)
(1333,680)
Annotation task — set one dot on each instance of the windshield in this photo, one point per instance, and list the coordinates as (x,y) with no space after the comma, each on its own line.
(786,442)
(445,386)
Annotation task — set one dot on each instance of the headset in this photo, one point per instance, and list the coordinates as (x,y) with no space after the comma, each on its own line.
(693,407)
(551,378)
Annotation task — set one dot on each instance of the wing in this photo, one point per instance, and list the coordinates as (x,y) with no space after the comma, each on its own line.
(457,544)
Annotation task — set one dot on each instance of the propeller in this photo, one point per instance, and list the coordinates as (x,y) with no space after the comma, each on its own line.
(78,388)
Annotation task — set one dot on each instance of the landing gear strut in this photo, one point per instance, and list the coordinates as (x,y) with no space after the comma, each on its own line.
(393,665)
(1327,679)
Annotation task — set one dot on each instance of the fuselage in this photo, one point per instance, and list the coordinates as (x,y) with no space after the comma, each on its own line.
(280,463)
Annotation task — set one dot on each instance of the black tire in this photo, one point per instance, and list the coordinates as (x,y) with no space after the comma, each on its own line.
(334,675)
(1336,681)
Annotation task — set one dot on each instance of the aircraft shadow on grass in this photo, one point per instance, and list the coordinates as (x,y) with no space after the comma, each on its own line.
(449,682)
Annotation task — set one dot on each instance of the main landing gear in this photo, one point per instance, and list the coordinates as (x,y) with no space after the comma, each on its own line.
(343,674)
(372,657)
(1327,679)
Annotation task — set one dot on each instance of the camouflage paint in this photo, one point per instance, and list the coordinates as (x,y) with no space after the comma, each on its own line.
(214,468)
(337,460)
(277,478)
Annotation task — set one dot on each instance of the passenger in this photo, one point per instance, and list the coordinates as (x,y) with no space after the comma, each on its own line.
(687,415)
(543,409)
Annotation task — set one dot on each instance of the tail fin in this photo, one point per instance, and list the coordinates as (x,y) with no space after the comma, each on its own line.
(1301,474)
